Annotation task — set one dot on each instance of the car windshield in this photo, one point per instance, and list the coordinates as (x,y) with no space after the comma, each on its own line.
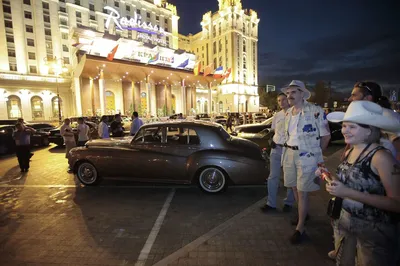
(225,135)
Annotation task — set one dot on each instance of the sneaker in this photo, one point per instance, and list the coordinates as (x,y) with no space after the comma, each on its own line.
(297,237)
(287,208)
(295,220)
(267,208)
(332,254)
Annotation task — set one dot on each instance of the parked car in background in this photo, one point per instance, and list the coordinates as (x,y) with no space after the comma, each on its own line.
(259,117)
(39,138)
(253,128)
(56,138)
(179,151)
(220,119)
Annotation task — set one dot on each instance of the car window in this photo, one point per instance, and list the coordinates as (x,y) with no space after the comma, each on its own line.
(148,135)
(182,136)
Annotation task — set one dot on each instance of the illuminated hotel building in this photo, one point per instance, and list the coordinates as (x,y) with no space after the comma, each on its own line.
(229,39)
(53,48)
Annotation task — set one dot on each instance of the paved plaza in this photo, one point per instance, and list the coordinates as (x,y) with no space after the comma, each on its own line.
(48,218)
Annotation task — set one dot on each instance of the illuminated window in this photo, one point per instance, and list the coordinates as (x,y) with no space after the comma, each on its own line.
(32,69)
(37,108)
(14,107)
(31,56)
(13,67)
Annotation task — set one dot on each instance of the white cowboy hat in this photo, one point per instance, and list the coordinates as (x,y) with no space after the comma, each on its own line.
(300,85)
(367,113)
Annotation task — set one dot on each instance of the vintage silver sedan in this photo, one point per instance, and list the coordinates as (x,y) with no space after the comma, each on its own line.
(179,152)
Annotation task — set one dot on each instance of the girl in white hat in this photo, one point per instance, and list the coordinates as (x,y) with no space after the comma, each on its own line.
(368,181)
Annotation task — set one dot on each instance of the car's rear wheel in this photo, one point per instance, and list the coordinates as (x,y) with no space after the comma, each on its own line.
(87,174)
(212,179)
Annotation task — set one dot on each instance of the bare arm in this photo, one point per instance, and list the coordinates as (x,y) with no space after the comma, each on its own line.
(389,173)
(324,141)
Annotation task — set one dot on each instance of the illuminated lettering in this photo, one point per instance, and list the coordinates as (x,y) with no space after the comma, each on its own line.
(135,23)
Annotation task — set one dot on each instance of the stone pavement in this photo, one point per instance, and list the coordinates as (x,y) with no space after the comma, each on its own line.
(255,238)
(47,218)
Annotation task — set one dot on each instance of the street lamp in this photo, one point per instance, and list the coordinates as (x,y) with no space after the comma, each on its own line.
(58,67)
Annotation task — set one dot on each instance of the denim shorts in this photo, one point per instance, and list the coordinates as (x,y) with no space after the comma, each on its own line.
(372,243)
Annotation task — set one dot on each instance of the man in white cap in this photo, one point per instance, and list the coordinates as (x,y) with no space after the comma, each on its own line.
(306,136)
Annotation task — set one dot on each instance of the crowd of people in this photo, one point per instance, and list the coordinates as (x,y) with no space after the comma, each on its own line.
(365,206)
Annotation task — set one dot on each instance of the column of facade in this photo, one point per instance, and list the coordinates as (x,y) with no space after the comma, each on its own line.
(183,97)
(3,105)
(91,88)
(148,92)
(102,95)
(78,100)
(209,98)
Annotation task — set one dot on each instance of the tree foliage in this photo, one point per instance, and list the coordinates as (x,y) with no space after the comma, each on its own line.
(269,100)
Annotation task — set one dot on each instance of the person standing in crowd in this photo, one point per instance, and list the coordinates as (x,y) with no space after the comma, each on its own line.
(136,123)
(116,127)
(22,122)
(69,138)
(83,132)
(372,91)
(278,125)
(22,137)
(229,122)
(307,135)
(103,128)
(368,181)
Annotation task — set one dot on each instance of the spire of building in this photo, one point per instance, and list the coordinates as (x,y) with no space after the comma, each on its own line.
(228,3)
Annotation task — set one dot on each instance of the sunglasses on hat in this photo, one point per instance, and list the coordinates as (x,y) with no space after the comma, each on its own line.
(363,85)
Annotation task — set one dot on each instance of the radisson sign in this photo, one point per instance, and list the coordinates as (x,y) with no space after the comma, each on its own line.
(134,23)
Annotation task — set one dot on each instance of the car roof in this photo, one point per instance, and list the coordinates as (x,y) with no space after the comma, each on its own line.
(3,126)
(197,123)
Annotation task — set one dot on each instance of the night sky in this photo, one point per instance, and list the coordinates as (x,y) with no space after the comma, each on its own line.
(341,41)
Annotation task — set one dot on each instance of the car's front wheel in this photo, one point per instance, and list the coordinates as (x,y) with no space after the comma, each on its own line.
(87,174)
(212,179)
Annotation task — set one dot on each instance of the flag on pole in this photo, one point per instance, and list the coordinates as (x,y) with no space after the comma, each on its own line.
(208,69)
(219,72)
(196,69)
(227,73)
(111,54)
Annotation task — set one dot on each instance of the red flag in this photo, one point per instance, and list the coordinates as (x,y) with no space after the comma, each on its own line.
(208,69)
(227,73)
(111,54)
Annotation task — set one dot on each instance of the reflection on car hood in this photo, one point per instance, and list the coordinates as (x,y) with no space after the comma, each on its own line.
(111,142)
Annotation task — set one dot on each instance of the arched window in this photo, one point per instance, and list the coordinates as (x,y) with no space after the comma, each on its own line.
(244,62)
(54,107)
(244,45)
(212,106)
(14,107)
(205,107)
(37,108)
(221,107)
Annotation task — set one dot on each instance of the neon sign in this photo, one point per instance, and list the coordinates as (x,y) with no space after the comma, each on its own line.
(134,23)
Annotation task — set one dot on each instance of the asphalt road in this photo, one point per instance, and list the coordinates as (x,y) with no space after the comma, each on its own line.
(47,217)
